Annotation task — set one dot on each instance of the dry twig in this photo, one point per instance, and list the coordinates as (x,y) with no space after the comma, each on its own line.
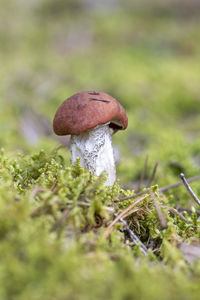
(182,209)
(133,196)
(162,189)
(131,212)
(188,187)
(143,173)
(161,216)
(53,186)
(176,212)
(133,236)
(174,185)
(110,227)
(152,175)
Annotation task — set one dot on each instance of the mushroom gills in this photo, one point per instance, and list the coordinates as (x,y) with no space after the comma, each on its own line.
(115,125)
(94,149)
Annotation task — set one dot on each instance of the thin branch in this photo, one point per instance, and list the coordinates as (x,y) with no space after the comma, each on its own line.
(133,196)
(161,216)
(162,189)
(176,212)
(171,186)
(110,227)
(188,187)
(133,236)
(152,175)
(182,209)
(53,186)
(130,212)
(143,173)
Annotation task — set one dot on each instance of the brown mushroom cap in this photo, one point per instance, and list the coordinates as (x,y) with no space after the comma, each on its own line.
(84,111)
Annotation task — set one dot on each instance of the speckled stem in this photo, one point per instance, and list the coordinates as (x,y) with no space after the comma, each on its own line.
(94,148)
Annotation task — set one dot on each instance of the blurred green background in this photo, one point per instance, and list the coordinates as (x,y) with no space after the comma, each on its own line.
(145,53)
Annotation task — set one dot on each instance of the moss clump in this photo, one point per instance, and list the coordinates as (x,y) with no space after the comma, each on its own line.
(53,220)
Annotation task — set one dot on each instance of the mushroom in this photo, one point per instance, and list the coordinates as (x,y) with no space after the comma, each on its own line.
(88,117)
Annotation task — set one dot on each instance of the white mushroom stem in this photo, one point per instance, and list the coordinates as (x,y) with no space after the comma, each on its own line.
(94,148)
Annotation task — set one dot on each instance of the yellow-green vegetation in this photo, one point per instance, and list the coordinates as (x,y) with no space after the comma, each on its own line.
(53,243)
(54,217)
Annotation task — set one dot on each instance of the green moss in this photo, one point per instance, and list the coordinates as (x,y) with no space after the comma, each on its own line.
(52,215)
(53,244)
